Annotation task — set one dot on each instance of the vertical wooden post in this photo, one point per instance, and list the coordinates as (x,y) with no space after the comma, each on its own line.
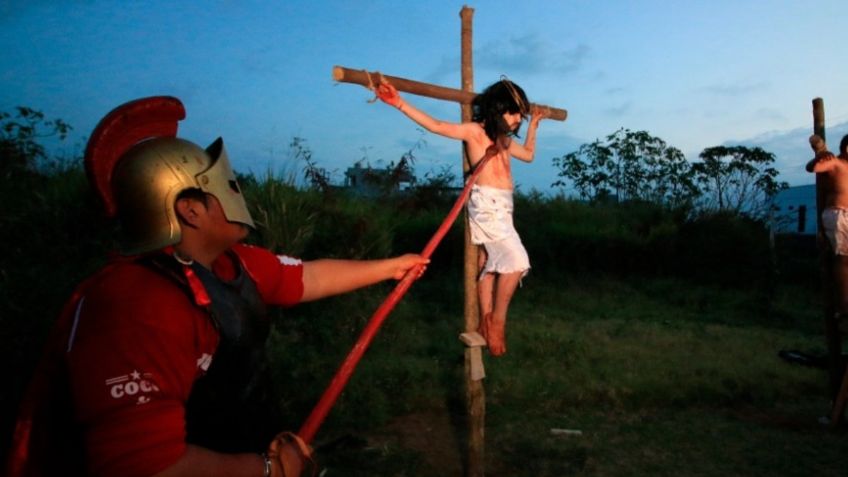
(475,395)
(818,118)
(831,325)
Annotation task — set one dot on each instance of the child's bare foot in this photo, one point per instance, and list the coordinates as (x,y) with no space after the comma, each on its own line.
(496,338)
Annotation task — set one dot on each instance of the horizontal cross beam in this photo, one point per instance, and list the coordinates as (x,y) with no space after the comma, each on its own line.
(369,79)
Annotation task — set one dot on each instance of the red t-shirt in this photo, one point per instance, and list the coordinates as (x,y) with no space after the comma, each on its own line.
(138,344)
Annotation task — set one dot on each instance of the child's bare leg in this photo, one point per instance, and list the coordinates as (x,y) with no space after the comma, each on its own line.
(840,327)
(504,289)
(485,293)
(840,272)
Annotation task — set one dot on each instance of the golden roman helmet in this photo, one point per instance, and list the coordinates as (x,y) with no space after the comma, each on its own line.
(151,174)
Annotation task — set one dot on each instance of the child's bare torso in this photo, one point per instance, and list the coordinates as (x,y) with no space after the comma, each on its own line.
(837,178)
(498,171)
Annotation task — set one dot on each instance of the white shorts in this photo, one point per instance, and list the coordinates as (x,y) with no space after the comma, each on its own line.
(490,221)
(835,224)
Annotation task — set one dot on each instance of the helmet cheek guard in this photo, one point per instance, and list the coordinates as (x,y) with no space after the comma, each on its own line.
(220,181)
(139,168)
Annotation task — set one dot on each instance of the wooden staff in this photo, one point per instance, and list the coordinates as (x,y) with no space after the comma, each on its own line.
(372,79)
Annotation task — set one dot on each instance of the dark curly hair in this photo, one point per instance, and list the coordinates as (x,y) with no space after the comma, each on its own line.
(489,107)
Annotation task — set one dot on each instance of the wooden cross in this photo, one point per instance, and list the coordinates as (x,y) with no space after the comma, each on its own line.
(474,373)
(837,372)
(370,79)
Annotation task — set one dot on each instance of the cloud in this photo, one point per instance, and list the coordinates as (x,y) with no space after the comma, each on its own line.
(518,56)
(529,54)
(792,150)
(260,63)
(619,110)
(615,90)
(770,114)
(736,89)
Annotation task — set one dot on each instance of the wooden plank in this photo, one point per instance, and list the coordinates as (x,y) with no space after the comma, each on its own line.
(818,118)
(372,78)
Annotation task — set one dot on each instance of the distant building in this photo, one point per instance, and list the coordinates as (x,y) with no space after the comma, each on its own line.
(795,211)
(371,182)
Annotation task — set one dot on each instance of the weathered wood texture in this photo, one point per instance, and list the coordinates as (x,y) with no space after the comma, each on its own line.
(475,392)
(372,78)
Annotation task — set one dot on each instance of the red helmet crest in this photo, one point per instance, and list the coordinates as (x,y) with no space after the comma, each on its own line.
(123,128)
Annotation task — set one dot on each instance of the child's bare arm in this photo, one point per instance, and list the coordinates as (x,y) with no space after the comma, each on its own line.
(826,163)
(527,151)
(823,161)
(389,95)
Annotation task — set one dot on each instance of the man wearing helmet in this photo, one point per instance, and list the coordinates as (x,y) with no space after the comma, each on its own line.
(156,366)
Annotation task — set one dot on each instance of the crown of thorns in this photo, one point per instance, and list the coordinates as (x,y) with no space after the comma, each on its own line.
(522,105)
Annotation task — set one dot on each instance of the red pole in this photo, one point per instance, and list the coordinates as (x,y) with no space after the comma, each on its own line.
(319,413)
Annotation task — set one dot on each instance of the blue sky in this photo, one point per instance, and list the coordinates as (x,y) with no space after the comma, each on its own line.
(694,73)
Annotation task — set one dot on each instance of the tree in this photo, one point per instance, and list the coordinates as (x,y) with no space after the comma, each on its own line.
(587,169)
(737,179)
(317,177)
(629,166)
(20,150)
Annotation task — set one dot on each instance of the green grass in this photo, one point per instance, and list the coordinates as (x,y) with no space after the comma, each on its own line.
(655,336)
(659,383)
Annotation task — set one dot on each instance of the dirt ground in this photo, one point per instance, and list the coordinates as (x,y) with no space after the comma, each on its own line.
(430,433)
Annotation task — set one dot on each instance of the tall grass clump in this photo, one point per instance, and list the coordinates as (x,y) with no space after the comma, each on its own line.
(283,214)
(53,236)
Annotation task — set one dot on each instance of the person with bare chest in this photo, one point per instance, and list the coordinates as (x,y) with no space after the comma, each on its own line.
(497,116)
(834,170)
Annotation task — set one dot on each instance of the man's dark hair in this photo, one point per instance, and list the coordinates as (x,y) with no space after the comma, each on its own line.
(843,146)
(194,193)
(489,106)
(191,193)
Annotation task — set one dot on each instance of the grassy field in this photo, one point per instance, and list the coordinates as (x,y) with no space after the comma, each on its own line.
(653,334)
(659,378)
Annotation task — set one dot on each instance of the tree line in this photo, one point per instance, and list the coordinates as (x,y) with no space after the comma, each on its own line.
(625,166)
(635,166)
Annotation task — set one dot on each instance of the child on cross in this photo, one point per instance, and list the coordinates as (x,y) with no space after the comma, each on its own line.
(497,115)
(834,218)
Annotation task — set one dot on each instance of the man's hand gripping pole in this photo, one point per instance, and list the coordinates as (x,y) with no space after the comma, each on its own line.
(319,413)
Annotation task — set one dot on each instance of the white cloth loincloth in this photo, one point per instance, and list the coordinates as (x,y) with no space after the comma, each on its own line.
(835,224)
(490,221)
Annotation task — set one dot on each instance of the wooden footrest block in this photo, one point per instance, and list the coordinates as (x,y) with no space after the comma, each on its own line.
(474,353)
(472,339)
